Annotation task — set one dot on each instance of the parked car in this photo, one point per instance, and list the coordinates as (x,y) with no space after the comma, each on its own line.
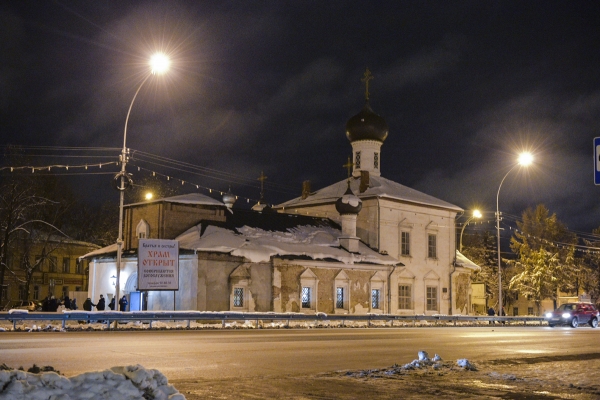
(29,305)
(573,314)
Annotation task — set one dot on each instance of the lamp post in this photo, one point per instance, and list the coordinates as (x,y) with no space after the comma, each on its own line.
(476,214)
(159,63)
(524,160)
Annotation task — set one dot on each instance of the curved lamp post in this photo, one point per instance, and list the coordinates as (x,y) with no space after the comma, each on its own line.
(159,63)
(524,160)
(476,214)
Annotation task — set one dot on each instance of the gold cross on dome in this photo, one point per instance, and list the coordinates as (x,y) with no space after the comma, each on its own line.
(349,166)
(366,80)
(262,178)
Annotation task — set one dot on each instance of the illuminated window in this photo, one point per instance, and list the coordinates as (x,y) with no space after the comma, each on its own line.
(238,297)
(375,297)
(306,297)
(339,298)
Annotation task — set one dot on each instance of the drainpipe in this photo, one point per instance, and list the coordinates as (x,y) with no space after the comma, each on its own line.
(390,290)
(378,225)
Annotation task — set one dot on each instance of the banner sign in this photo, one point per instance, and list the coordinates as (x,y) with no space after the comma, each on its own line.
(158,264)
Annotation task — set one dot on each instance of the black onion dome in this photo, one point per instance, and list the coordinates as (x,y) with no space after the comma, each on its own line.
(366,125)
(348,203)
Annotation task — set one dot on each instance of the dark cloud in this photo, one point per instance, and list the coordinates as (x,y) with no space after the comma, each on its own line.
(268,86)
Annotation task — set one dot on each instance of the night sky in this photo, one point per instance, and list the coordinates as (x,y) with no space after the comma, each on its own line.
(269,86)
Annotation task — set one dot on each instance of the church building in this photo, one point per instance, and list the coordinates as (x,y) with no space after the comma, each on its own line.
(363,245)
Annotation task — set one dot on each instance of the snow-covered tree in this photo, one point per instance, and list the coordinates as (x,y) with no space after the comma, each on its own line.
(545,260)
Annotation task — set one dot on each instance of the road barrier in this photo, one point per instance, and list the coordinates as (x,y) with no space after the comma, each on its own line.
(108,317)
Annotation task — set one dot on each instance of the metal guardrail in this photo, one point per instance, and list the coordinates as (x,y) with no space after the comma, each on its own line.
(111,316)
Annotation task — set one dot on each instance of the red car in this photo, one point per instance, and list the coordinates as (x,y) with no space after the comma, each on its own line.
(573,314)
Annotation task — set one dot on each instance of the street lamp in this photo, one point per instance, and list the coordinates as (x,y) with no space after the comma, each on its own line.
(524,160)
(159,64)
(476,214)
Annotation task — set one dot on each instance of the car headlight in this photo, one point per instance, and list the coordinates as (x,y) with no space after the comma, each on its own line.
(566,315)
(548,315)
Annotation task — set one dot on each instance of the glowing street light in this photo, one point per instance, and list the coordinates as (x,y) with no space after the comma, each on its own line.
(476,214)
(148,196)
(159,64)
(524,160)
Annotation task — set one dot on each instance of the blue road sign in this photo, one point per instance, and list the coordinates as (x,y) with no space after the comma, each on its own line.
(597,161)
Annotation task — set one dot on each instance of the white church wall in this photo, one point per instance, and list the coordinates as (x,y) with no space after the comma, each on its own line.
(101,281)
(185,298)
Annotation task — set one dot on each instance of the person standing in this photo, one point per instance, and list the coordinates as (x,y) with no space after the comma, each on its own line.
(74,304)
(123,303)
(101,305)
(111,305)
(491,312)
(87,304)
(67,303)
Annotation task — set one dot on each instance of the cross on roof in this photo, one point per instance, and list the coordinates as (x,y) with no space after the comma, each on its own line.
(262,178)
(366,80)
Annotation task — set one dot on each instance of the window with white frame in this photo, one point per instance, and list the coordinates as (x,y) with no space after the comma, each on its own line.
(308,291)
(405,297)
(142,230)
(432,298)
(431,245)
(239,280)
(377,290)
(405,243)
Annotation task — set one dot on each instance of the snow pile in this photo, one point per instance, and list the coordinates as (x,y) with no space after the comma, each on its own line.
(117,383)
(423,363)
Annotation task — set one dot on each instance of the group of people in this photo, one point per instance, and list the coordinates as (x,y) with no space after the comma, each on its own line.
(51,304)
(101,304)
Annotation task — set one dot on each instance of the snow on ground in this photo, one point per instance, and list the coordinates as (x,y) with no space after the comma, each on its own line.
(117,383)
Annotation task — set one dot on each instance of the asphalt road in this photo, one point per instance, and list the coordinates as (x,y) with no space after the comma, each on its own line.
(277,353)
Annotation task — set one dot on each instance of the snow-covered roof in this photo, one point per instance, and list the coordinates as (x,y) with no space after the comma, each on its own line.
(378,187)
(190,198)
(104,250)
(465,262)
(258,245)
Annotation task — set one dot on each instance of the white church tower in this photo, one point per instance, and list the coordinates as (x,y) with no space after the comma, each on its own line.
(366,132)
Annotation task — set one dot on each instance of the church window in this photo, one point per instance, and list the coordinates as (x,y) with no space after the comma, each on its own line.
(306,297)
(432,298)
(432,246)
(339,299)
(405,297)
(357,160)
(341,293)
(375,297)
(238,297)
(376,160)
(405,243)
(142,230)
(309,289)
